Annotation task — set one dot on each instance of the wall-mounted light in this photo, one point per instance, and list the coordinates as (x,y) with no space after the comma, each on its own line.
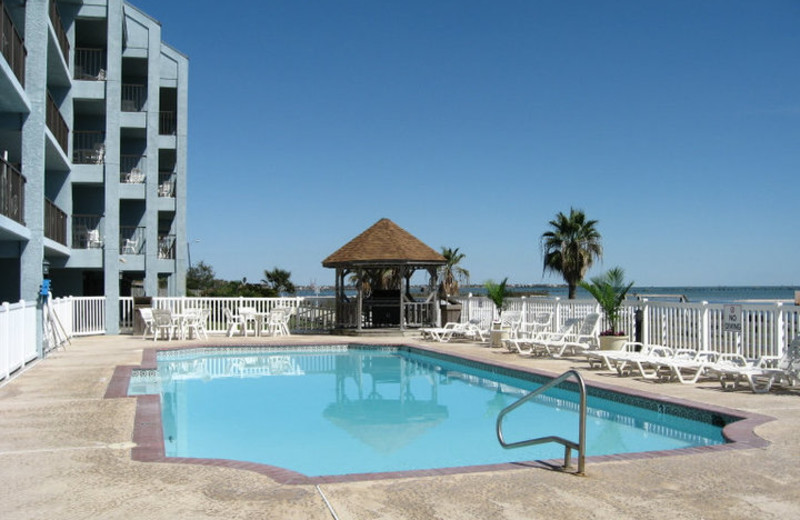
(45,267)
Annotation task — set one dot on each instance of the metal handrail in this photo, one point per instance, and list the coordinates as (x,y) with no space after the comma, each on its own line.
(580,446)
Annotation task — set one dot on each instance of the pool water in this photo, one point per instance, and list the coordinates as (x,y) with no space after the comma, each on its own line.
(341,410)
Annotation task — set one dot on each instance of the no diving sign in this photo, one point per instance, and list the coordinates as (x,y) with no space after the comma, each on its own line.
(732,319)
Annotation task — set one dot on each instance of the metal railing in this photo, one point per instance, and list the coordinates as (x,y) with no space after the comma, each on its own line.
(55,222)
(131,240)
(87,231)
(579,446)
(131,169)
(167,122)
(133,97)
(12,192)
(90,64)
(166,184)
(13,46)
(166,247)
(88,146)
(57,124)
(61,34)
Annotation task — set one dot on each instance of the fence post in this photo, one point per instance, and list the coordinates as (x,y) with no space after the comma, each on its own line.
(5,341)
(705,337)
(557,314)
(780,338)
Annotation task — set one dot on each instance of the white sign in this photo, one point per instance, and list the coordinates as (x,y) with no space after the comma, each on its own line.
(732,318)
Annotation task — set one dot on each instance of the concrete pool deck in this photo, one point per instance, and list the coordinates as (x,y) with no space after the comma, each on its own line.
(65,452)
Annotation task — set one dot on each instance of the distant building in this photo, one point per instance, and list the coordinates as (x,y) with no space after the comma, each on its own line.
(93,126)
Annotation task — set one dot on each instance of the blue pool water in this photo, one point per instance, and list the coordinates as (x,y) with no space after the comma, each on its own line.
(339,410)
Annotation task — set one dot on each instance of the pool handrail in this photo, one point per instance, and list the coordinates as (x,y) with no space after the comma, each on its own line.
(580,446)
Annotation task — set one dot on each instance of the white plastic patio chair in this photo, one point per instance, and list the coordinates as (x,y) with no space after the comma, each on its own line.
(235,323)
(763,373)
(163,323)
(147,318)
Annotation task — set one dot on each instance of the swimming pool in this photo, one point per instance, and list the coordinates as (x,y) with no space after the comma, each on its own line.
(337,410)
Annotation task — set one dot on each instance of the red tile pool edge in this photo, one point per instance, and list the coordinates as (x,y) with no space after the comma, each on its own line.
(149,440)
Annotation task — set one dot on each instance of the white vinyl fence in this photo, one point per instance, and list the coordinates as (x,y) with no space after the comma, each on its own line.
(17,336)
(766,328)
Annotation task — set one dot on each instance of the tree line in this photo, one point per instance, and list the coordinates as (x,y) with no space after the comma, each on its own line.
(201,281)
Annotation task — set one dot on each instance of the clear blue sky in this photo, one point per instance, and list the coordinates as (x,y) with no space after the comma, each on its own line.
(675,124)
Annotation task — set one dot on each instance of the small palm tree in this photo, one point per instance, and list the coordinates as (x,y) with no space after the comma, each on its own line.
(498,292)
(279,281)
(571,247)
(451,272)
(610,290)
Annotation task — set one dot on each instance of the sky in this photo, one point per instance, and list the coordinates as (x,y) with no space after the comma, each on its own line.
(471,124)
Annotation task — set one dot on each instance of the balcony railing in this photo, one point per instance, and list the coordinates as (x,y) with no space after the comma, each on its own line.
(12,192)
(167,123)
(88,147)
(131,169)
(131,240)
(13,46)
(166,184)
(87,231)
(133,97)
(58,25)
(166,247)
(56,123)
(55,222)
(90,64)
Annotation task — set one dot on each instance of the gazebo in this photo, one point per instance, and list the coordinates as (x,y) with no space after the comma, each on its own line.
(383,258)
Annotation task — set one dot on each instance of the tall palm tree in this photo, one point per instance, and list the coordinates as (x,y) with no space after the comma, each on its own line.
(451,272)
(571,247)
(279,280)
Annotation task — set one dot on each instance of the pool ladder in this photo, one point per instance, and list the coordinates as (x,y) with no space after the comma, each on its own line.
(579,446)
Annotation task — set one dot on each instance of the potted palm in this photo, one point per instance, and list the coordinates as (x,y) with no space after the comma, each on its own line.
(610,290)
(498,292)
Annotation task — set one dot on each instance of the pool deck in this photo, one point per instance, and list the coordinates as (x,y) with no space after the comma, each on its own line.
(65,452)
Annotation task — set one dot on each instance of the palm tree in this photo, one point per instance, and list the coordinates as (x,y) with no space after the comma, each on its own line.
(279,280)
(570,247)
(451,272)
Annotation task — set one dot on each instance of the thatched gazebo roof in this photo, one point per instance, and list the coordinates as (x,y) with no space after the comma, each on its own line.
(384,243)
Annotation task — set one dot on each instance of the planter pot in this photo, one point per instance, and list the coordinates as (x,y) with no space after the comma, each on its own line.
(613,342)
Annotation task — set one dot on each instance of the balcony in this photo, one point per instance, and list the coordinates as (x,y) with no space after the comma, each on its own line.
(134,97)
(131,169)
(12,192)
(61,34)
(13,46)
(167,122)
(87,231)
(90,64)
(166,184)
(166,247)
(56,123)
(131,240)
(55,222)
(88,147)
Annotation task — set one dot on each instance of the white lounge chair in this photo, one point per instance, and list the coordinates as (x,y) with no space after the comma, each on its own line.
(687,369)
(535,346)
(529,331)
(584,339)
(763,373)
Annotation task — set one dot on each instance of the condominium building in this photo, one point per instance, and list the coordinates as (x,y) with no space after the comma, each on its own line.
(93,126)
